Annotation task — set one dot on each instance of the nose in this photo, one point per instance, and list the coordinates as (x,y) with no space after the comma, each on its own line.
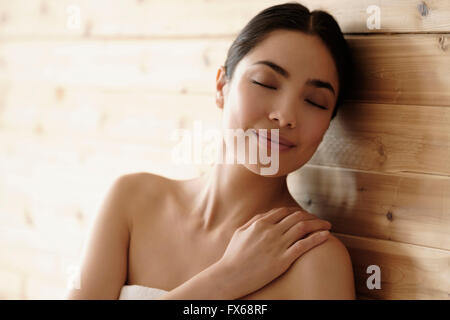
(285,118)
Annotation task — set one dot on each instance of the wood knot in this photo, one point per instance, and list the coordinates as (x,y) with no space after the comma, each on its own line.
(79,216)
(143,68)
(380,149)
(182,123)
(82,156)
(443,43)
(389,216)
(38,129)
(59,93)
(3,17)
(423,9)
(43,8)
(28,217)
(102,119)
(88,28)
(206,61)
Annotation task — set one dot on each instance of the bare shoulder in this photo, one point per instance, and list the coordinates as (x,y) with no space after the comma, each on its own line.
(104,261)
(103,266)
(143,179)
(148,191)
(323,272)
(145,184)
(131,192)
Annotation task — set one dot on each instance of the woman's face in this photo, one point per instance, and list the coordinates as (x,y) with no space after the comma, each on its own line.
(287,103)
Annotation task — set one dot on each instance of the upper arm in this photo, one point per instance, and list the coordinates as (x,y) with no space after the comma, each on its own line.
(103,268)
(324,272)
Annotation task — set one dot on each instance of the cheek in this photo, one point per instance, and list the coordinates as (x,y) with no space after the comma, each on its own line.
(250,103)
(244,107)
(314,132)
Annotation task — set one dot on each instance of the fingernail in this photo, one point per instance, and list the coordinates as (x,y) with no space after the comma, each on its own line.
(324,233)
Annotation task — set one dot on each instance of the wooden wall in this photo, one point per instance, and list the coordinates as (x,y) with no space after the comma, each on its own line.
(82,103)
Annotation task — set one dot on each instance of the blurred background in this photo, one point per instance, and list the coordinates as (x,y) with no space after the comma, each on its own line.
(91,90)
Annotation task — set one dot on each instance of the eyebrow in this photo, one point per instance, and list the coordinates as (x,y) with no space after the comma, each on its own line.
(312,82)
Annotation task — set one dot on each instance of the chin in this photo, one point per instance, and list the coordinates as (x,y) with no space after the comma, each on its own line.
(257,169)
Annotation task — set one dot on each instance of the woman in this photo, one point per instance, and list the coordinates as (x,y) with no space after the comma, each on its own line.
(234,233)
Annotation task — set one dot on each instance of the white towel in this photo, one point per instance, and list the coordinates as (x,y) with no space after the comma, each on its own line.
(137,292)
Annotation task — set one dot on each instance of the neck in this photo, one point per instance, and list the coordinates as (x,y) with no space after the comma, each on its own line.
(230,195)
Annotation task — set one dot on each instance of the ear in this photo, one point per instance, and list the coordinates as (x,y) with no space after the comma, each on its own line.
(221,81)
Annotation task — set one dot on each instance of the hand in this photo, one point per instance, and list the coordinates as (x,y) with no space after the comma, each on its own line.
(265,247)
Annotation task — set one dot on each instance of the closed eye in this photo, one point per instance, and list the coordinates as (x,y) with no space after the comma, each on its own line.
(264,85)
(273,88)
(315,104)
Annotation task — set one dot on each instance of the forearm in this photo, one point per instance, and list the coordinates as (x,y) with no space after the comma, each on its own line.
(213,283)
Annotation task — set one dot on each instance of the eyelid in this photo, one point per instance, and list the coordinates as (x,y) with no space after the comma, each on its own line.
(263,85)
(315,104)
(273,88)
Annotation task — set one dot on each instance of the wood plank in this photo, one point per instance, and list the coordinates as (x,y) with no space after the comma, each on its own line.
(27,160)
(407,208)
(407,271)
(65,164)
(46,288)
(161,66)
(127,115)
(410,208)
(11,285)
(364,136)
(57,238)
(387,138)
(400,69)
(28,261)
(52,18)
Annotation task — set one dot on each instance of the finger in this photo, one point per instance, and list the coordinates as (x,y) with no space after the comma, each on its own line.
(301,246)
(249,222)
(302,228)
(276,218)
(294,218)
(279,214)
(258,216)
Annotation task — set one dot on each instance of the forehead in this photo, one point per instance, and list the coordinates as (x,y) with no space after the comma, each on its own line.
(303,56)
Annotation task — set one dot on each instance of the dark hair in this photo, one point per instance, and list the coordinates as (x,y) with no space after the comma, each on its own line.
(294,16)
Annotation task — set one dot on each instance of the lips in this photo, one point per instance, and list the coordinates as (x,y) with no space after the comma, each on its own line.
(281,140)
